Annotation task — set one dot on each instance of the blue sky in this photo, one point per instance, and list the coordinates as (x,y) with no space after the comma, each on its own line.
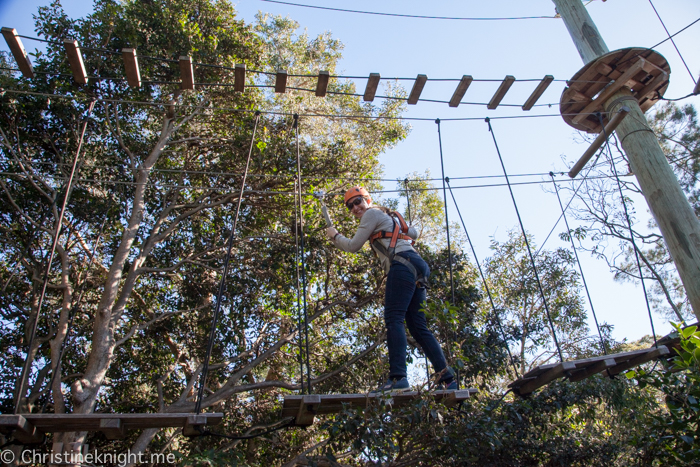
(526,49)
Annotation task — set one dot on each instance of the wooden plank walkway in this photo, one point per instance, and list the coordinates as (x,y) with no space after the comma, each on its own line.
(577,370)
(305,407)
(30,428)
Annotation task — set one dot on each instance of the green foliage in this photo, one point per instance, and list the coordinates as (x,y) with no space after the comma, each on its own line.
(673,436)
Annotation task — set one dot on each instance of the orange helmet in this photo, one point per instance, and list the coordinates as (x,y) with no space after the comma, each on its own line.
(357,191)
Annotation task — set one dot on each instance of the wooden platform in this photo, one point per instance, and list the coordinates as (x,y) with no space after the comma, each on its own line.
(305,408)
(30,428)
(644,71)
(577,370)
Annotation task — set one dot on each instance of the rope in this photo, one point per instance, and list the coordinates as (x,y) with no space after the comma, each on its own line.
(222,282)
(59,223)
(629,224)
(580,267)
(527,243)
(302,256)
(673,42)
(298,285)
(447,229)
(483,279)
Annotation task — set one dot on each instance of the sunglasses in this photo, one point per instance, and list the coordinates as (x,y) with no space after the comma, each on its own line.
(355,202)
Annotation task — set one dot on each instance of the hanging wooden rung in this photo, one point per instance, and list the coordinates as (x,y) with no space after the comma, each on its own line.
(696,91)
(371,89)
(501,92)
(18,51)
(30,428)
(537,93)
(322,84)
(598,142)
(239,78)
(75,58)
(461,90)
(186,73)
(418,86)
(304,408)
(131,67)
(578,370)
(280,81)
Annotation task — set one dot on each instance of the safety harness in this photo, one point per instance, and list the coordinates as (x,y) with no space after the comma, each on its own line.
(400,231)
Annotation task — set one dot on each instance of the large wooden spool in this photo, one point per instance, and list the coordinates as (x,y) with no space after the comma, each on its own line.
(644,71)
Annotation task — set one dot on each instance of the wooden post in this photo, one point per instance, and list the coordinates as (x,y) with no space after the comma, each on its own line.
(668,204)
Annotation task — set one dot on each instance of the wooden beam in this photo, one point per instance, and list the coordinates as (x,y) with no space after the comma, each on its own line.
(598,142)
(186,73)
(653,354)
(131,67)
(501,92)
(281,81)
(591,370)
(307,410)
(322,84)
(239,78)
(418,86)
(537,93)
(553,373)
(75,58)
(655,83)
(612,88)
(113,428)
(23,430)
(18,51)
(461,90)
(195,425)
(371,88)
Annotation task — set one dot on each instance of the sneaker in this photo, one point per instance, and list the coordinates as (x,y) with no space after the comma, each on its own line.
(452,386)
(392,385)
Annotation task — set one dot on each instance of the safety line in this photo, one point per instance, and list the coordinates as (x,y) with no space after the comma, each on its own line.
(483,280)
(527,243)
(673,42)
(54,245)
(408,16)
(222,282)
(303,260)
(580,267)
(629,224)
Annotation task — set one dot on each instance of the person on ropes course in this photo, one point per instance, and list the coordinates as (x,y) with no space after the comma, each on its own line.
(407,277)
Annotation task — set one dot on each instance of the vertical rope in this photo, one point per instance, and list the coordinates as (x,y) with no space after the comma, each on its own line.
(580,268)
(300,310)
(408,206)
(483,279)
(222,282)
(527,243)
(303,264)
(447,228)
(629,224)
(57,234)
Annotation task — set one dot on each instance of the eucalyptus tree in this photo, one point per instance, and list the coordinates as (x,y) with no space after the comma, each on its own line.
(143,241)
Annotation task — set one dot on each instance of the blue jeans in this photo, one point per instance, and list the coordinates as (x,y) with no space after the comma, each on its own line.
(402,302)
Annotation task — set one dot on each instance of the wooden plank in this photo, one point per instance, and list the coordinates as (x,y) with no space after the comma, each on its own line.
(239,77)
(598,142)
(557,372)
(592,369)
(75,58)
(322,83)
(195,425)
(417,89)
(650,355)
(57,423)
(131,67)
(18,51)
(501,92)
(461,90)
(597,103)
(455,397)
(186,73)
(655,83)
(307,410)
(21,429)
(281,81)
(371,89)
(113,428)
(537,93)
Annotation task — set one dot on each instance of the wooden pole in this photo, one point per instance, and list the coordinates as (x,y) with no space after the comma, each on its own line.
(668,204)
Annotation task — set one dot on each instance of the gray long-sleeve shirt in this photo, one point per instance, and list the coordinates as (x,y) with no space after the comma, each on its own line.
(372,221)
